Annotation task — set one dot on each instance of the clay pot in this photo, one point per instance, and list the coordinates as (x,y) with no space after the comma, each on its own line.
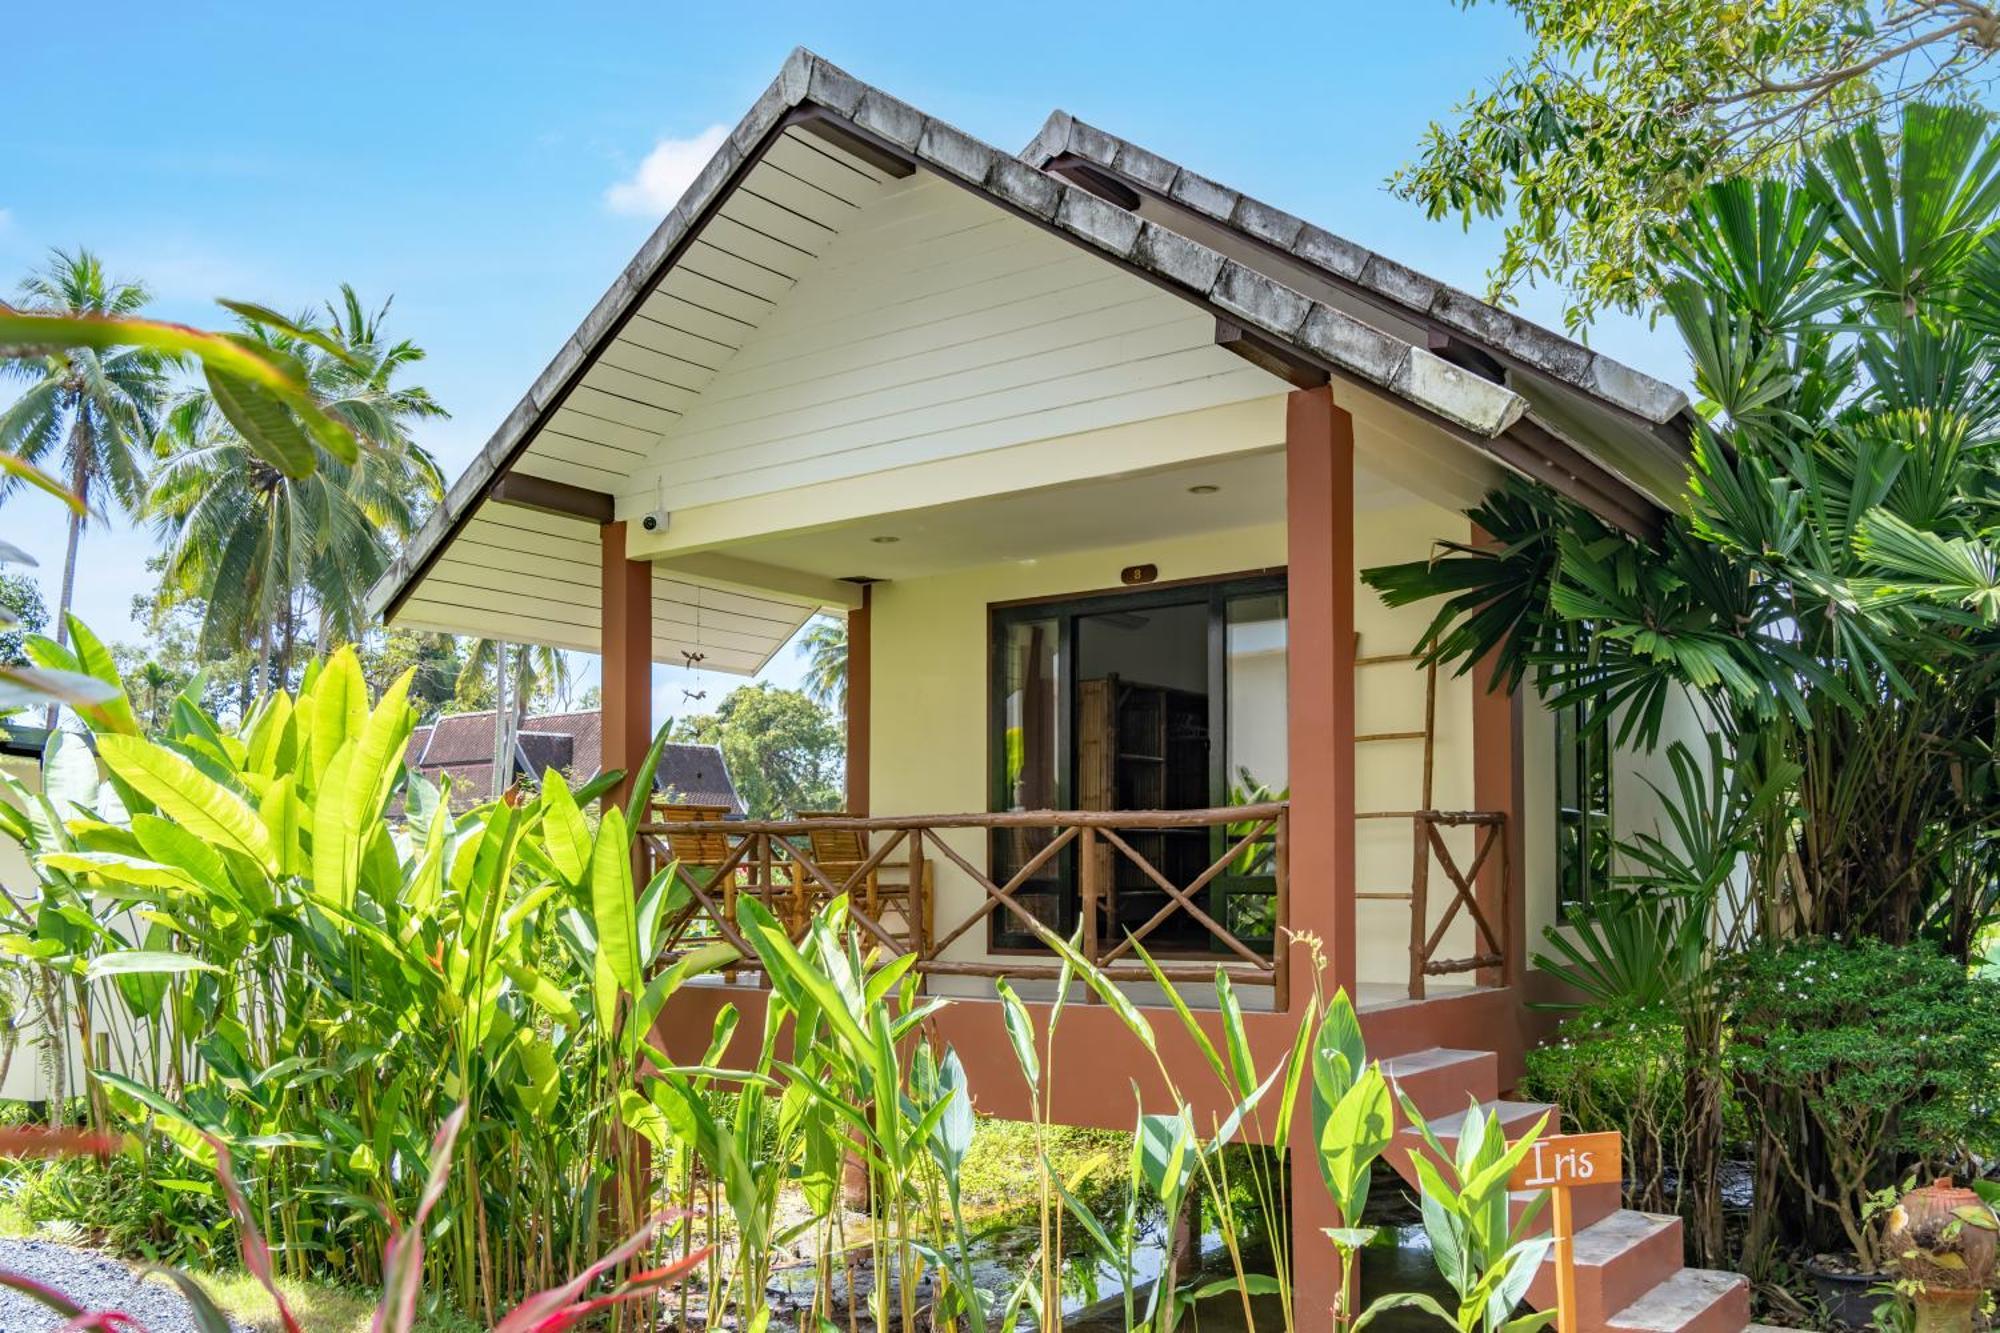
(1945,1239)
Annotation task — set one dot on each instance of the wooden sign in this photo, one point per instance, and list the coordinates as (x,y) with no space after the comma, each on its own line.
(1569,1160)
(1559,1164)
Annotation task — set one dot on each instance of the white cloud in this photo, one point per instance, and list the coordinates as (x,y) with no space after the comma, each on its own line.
(668,170)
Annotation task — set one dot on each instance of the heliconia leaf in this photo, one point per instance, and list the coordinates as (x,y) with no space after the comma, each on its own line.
(1021,1033)
(29,687)
(120,962)
(336,860)
(339,707)
(612,907)
(563,827)
(184,793)
(378,757)
(263,421)
(208,1317)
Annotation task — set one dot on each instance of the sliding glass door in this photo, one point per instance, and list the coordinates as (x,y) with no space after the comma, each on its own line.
(1165,699)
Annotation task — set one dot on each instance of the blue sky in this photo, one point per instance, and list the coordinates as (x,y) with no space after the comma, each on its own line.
(493,166)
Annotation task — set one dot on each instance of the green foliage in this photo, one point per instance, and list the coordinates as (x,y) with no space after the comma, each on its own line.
(1621,111)
(1624,1069)
(21,602)
(258,540)
(1488,1258)
(1827,597)
(784,751)
(1889,1051)
(825,645)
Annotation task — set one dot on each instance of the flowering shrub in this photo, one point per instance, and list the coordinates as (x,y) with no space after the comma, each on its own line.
(1617,1067)
(1888,1050)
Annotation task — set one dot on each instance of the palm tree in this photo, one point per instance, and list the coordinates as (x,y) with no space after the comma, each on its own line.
(86,413)
(825,646)
(267,551)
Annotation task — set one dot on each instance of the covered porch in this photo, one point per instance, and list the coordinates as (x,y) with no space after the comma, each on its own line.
(1152,708)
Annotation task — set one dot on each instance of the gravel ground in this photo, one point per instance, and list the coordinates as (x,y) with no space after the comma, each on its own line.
(93,1281)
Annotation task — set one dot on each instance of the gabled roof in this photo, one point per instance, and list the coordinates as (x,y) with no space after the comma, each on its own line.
(460,745)
(1572,389)
(1283,318)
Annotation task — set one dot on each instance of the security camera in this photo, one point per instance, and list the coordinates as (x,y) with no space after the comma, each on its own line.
(658,520)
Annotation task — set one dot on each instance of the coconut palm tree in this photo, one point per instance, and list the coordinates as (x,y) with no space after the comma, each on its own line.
(825,646)
(271,554)
(85,414)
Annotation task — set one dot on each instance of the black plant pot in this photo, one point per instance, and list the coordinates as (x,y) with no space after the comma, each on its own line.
(1849,1298)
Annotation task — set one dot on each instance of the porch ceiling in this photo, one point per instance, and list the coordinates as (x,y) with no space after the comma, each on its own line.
(1127,510)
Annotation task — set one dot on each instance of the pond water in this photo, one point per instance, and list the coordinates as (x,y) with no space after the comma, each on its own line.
(1092,1300)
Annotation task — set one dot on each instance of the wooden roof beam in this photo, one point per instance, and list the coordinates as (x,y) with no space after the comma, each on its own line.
(552,497)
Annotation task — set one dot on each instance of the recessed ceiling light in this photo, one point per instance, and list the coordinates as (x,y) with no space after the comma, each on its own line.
(885,541)
(1205,488)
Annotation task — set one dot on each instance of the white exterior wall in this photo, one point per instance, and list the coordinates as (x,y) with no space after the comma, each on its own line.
(932,327)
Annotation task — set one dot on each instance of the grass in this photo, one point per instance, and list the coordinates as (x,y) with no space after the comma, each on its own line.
(321,1307)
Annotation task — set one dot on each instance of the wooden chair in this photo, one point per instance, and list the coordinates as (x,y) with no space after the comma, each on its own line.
(701,853)
(840,852)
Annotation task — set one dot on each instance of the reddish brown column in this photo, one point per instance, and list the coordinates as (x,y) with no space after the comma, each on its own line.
(1319,517)
(626,620)
(860,687)
(1319,536)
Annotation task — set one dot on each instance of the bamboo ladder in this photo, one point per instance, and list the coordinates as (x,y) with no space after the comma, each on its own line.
(1425,820)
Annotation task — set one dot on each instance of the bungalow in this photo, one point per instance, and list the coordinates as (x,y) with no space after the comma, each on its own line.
(459,746)
(1088,448)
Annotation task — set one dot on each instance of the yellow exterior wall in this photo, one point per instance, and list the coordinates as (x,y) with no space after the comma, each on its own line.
(929,711)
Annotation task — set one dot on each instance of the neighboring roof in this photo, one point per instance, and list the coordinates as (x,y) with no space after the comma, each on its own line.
(20,741)
(884,136)
(696,775)
(460,745)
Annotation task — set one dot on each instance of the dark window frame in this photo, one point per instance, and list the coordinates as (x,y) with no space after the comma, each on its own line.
(1585,804)
(1066,610)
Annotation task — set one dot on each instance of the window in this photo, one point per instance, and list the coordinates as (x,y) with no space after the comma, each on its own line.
(1172,698)
(1583,804)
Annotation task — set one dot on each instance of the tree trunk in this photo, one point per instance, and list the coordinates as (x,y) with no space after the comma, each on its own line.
(79,482)
(503,753)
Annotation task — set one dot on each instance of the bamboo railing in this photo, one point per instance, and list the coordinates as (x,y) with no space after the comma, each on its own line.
(892,903)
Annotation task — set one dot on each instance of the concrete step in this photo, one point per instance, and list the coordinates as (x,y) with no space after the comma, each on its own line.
(1439,1079)
(1694,1300)
(1588,1204)
(1619,1258)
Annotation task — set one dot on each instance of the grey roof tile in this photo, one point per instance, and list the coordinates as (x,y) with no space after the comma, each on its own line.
(1360,348)
(1105,225)
(1634,390)
(1094,144)
(1335,254)
(1148,169)
(1270,225)
(1203,195)
(1400,283)
(1527,342)
(1457,395)
(1259,301)
(955,151)
(834,88)
(1172,255)
(893,119)
(1023,186)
